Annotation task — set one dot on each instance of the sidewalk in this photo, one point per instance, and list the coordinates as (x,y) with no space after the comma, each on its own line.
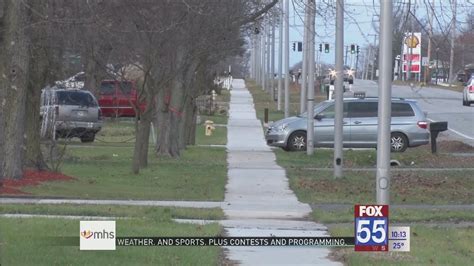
(259,200)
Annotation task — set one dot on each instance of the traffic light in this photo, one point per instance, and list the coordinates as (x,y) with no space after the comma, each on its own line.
(352,48)
(300,46)
(358,49)
(326,47)
(320,47)
(294,46)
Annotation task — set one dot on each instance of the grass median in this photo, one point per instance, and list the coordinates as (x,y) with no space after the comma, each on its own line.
(27,241)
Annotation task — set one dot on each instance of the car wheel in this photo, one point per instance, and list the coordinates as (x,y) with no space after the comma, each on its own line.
(297,141)
(88,138)
(398,142)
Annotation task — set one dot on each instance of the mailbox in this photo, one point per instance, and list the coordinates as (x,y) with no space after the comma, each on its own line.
(435,128)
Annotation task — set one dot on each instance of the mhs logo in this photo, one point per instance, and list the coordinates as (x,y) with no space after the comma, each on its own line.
(98,235)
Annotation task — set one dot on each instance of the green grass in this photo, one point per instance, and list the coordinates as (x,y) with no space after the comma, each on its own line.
(312,186)
(413,157)
(157,213)
(105,173)
(218,137)
(397,215)
(28,241)
(429,246)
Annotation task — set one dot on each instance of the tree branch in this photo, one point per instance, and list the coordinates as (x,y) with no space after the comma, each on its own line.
(257,14)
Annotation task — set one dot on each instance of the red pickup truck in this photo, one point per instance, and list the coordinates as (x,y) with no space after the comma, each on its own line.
(119,98)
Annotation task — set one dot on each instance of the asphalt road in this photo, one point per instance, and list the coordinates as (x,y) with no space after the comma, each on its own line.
(439,104)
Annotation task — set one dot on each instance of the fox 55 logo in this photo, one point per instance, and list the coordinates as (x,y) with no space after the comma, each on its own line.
(371,227)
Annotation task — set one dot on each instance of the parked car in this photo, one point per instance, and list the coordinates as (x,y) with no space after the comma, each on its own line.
(468,92)
(119,98)
(77,113)
(409,127)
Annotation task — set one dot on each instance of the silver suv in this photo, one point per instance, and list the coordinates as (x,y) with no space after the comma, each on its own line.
(409,127)
(76,113)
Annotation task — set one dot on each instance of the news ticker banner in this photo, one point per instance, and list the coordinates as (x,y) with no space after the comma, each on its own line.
(371,233)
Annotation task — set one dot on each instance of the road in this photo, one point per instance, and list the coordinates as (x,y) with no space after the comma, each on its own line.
(439,104)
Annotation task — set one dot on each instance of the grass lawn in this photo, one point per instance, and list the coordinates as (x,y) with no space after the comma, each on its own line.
(157,213)
(27,241)
(105,173)
(429,246)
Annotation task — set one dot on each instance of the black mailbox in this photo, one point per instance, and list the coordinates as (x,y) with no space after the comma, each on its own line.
(435,128)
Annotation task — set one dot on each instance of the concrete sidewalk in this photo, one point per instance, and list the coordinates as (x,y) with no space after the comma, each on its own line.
(259,200)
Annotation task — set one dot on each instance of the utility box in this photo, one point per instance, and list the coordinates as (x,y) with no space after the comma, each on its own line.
(209,127)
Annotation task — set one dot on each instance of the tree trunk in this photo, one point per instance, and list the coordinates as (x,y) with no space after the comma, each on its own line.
(162,123)
(190,122)
(140,152)
(17,49)
(34,156)
(3,89)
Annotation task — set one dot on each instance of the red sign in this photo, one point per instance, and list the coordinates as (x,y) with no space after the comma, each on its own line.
(411,57)
(414,68)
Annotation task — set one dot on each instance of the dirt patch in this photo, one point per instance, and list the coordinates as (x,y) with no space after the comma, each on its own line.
(453,146)
(11,186)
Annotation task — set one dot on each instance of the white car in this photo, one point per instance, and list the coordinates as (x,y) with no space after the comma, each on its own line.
(468,92)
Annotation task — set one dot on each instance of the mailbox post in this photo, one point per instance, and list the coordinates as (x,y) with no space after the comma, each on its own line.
(435,128)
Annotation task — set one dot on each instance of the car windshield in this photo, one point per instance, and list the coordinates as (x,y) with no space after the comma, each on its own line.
(76,98)
(317,108)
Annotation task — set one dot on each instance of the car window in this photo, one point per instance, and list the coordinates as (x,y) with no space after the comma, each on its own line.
(363,109)
(402,109)
(76,98)
(125,87)
(330,112)
(107,88)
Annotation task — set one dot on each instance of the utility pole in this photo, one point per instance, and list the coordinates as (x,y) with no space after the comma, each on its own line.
(280,58)
(367,62)
(345,56)
(304,72)
(263,48)
(453,37)
(430,32)
(272,67)
(339,90)
(372,73)
(258,57)
(287,58)
(268,51)
(385,103)
(311,11)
